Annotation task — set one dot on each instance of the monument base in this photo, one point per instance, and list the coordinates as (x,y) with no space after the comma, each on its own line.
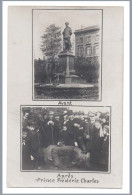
(66,67)
(72,79)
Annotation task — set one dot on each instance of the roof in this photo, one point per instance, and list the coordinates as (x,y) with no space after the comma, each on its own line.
(90,28)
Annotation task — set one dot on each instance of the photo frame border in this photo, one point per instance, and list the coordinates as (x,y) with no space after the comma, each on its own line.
(104,191)
(62,171)
(100,69)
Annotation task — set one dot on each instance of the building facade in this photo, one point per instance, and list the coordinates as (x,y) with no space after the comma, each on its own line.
(88,42)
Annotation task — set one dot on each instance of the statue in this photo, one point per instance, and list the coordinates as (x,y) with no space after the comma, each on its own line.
(66,37)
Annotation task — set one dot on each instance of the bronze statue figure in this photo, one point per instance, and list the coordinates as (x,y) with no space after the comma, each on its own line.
(66,37)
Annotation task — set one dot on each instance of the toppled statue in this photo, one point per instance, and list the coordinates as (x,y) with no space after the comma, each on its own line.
(66,37)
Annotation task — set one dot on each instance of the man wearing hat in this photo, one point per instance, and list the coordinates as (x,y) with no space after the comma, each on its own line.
(66,37)
(64,118)
(104,157)
(51,130)
(33,144)
(40,124)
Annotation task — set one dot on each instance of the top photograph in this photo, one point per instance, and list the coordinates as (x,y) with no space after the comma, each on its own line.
(67,54)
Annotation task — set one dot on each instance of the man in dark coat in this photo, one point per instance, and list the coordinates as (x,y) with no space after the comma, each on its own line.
(25,122)
(70,127)
(52,130)
(104,159)
(78,136)
(33,143)
(96,144)
(87,131)
(65,137)
(57,122)
(26,161)
(40,125)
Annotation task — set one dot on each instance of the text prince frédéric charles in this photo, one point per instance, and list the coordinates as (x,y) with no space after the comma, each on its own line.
(66,178)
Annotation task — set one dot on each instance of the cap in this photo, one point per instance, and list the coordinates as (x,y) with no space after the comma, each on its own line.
(106,127)
(64,113)
(57,114)
(91,114)
(51,112)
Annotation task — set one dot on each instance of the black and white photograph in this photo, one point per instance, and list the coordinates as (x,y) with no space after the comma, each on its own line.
(65,138)
(64,113)
(67,54)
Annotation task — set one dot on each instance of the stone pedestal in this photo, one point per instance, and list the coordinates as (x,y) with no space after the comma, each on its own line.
(66,62)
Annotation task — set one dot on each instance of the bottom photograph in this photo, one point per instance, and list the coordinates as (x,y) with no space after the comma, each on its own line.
(73,138)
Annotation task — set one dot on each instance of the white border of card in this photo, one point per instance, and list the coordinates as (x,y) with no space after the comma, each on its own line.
(49,189)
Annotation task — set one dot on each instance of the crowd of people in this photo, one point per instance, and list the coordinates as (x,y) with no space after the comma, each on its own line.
(68,133)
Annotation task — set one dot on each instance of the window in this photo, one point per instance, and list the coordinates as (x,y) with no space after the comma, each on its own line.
(96,49)
(80,51)
(97,38)
(88,39)
(81,39)
(89,51)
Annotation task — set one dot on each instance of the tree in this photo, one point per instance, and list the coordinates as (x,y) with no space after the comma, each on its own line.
(51,41)
(51,45)
(87,69)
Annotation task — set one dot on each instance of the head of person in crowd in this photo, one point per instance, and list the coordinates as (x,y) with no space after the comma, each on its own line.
(64,128)
(106,130)
(40,117)
(103,120)
(82,117)
(26,115)
(57,117)
(107,118)
(32,110)
(45,116)
(92,117)
(71,117)
(77,116)
(67,24)
(32,127)
(24,134)
(51,115)
(86,120)
(80,128)
(65,115)
(92,120)
(98,113)
(76,124)
(97,125)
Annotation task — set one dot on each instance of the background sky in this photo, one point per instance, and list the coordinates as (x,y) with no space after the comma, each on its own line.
(77,19)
